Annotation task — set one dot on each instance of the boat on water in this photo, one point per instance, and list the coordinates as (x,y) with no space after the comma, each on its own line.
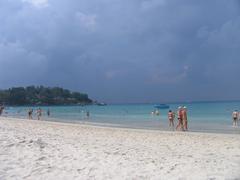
(101,104)
(162,106)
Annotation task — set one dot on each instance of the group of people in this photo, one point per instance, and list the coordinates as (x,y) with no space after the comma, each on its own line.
(236,117)
(182,119)
(156,112)
(39,112)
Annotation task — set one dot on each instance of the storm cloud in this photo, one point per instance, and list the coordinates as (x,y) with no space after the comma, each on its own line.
(123,51)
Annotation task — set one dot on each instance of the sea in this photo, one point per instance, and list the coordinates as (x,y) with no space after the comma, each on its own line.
(213,117)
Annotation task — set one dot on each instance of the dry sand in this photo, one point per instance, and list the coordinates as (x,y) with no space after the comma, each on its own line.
(51,150)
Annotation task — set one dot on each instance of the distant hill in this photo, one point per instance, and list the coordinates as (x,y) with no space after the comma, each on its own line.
(40,95)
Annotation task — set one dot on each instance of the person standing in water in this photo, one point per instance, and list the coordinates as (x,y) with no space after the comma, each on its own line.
(171,117)
(48,112)
(30,111)
(1,110)
(39,113)
(235,116)
(88,114)
(185,119)
(152,113)
(180,119)
(239,116)
(157,113)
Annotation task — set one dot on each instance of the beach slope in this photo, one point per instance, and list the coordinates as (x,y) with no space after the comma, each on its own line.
(51,150)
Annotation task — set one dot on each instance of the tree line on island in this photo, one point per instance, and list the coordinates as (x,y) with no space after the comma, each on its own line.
(40,95)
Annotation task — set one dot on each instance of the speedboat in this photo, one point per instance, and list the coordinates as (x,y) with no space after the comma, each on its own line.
(101,104)
(162,106)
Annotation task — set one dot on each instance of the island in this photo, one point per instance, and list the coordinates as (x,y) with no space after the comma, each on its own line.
(40,95)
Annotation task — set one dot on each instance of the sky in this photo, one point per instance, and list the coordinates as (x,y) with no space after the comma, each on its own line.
(123,51)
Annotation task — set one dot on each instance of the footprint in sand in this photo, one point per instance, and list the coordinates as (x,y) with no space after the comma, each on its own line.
(41,158)
(40,143)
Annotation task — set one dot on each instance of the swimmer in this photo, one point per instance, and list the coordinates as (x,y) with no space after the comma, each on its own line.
(157,113)
(152,113)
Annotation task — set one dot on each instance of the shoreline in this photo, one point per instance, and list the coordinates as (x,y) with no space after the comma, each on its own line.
(228,129)
(206,118)
(105,126)
(32,149)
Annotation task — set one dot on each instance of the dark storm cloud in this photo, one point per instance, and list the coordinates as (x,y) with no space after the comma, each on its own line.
(123,51)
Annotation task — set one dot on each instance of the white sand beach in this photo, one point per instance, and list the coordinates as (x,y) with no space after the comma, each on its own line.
(51,150)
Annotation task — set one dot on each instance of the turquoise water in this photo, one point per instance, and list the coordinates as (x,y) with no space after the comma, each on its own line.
(204,117)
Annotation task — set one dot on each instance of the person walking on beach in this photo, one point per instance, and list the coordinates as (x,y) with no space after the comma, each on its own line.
(185,119)
(180,119)
(235,116)
(171,117)
(30,112)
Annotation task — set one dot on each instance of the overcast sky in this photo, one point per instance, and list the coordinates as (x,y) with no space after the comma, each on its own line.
(123,50)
